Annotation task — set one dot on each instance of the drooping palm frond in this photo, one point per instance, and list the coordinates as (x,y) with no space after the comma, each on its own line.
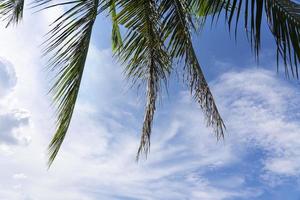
(68,44)
(144,55)
(284,22)
(283,18)
(11,11)
(176,29)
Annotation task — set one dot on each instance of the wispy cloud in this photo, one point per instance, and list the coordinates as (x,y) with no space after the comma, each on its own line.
(262,112)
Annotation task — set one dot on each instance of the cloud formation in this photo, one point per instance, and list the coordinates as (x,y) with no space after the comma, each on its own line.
(262,112)
(11,121)
(10,124)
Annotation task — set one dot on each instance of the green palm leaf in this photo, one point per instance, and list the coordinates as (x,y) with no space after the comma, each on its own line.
(176,30)
(283,18)
(68,44)
(144,54)
(284,22)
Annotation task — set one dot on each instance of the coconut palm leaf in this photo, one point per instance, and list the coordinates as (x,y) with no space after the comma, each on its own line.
(11,11)
(176,29)
(284,22)
(67,44)
(144,55)
(283,18)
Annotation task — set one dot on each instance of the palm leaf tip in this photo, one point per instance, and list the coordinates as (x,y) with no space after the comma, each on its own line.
(55,145)
(149,114)
(210,110)
(11,11)
(204,97)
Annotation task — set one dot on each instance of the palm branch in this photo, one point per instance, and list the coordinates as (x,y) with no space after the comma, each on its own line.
(176,30)
(145,54)
(67,45)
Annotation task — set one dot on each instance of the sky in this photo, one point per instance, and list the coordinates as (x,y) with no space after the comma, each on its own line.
(259,159)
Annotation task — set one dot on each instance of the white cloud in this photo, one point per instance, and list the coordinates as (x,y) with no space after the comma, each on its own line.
(10,124)
(12,121)
(262,111)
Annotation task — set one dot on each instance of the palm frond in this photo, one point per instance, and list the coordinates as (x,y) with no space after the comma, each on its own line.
(11,11)
(144,54)
(176,27)
(67,44)
(284,22)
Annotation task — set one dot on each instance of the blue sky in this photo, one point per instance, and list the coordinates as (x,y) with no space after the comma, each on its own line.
(258,160)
